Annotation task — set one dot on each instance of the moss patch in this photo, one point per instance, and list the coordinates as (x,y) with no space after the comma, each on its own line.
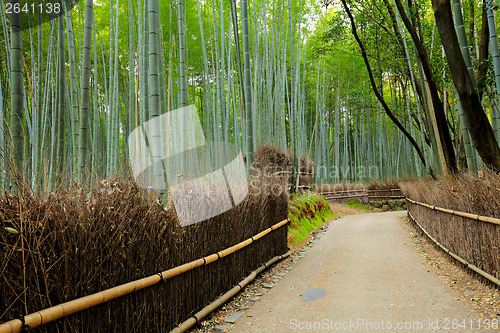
(307,212)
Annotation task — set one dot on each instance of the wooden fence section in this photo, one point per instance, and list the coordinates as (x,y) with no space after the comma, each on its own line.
(469,238)
(362,195)
(345,195)
(62,310)
(385,194)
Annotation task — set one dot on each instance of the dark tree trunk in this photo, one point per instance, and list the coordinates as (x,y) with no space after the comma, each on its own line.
(477,122)
(443,132)
(378,93)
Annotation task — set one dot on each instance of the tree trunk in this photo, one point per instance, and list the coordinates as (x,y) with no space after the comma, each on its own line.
(61,101)
(182,56)
(443,132)
(476,119)
(73,91)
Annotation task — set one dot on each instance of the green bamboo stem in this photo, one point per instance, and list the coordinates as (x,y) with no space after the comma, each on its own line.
(75,119)
(247,87)
(496,63)
(462,38)
(16,91)
(61,104)
(83,135)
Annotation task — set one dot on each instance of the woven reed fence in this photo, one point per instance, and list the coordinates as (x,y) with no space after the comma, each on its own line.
(67,246)
(472,239)
(273,161)
(45,316)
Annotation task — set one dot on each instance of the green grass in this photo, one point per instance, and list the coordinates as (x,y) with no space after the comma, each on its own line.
(356,204)
(308,211)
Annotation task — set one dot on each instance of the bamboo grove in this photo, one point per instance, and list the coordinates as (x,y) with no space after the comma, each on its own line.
(284,73)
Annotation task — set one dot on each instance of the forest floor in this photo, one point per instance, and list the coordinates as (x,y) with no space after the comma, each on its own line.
(372,269)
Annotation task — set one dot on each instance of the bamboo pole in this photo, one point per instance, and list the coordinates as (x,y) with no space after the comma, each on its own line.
(73,90)
(82,146)
(16,91)
(346,196)
(65,309)
(185,326)
(247,87)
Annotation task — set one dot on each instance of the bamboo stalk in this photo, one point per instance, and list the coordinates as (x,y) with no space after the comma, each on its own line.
(16,90)
(83,135)
(247,87)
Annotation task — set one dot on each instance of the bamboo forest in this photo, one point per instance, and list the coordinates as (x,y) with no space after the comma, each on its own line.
(398,98)
(381,103)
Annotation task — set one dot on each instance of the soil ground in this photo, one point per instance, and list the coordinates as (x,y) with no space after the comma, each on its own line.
(344,210)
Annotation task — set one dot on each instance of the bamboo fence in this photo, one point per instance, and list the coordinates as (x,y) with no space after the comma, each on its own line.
(65,309)
(363,195)
(485,238)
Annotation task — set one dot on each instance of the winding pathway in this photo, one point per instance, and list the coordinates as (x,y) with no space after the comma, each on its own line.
(362,275)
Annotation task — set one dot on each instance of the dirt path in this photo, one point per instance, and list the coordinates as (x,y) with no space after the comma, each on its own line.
(362,275)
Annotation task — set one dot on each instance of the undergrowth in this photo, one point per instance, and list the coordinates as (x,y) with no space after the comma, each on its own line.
(307,212)
(356,204)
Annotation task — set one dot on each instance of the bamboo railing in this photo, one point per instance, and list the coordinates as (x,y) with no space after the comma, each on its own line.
(486,219)
(446,250)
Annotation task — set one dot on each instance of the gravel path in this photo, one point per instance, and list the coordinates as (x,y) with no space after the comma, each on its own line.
(363,274)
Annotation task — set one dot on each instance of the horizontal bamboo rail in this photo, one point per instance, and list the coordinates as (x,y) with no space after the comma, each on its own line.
(289,172)
(224,298)
(387,190)
(364,190)
(345,196)
(344,191)
(332,195)
(65,309)
(486,219)
(387,196)
(459,259)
